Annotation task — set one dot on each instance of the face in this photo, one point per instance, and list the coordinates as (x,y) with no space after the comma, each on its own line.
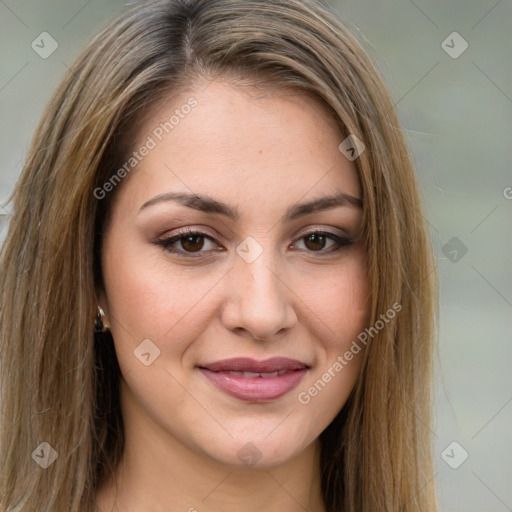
(230,301)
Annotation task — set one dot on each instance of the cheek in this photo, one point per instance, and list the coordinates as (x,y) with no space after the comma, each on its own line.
(341,300)
(150,299)
(340,310)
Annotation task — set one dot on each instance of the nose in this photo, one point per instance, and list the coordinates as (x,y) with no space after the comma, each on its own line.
(258,303)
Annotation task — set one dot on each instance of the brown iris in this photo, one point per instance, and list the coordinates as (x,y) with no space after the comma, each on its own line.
(193,243)
(317,241)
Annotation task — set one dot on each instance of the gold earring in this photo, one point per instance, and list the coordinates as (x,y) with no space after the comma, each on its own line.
(99,324)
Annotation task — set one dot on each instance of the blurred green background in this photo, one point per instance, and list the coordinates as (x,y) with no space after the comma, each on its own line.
(455,104)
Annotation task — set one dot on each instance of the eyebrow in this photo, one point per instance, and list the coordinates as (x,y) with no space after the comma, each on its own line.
(209,205)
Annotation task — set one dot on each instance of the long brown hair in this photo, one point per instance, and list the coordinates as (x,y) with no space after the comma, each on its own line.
(59,381)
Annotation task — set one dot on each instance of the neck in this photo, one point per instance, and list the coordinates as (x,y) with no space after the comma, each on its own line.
(158,473)
(153,484)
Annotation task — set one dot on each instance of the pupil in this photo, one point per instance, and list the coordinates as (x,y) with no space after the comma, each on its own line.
(192,242)
(319,240)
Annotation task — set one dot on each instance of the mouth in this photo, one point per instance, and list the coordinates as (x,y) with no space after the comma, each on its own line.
(255,381)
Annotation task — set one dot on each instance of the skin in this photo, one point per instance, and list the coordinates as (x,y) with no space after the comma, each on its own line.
(261,153)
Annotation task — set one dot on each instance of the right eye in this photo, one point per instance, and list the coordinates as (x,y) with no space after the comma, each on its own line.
(191,243)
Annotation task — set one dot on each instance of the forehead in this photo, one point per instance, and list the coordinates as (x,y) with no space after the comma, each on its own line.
(241,144)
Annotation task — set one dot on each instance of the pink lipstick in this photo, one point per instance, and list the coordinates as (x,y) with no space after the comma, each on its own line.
(255,381)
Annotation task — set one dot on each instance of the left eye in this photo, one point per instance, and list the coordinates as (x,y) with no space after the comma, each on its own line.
(193,242)
(316,240)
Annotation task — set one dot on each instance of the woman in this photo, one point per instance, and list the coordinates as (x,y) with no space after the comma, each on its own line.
(217,288)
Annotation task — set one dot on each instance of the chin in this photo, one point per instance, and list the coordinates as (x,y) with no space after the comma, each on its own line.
(260,447)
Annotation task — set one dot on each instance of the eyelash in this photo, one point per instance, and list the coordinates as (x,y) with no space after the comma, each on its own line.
(165,243)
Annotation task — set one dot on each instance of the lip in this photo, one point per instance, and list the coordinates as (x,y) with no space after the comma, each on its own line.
(237,377)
